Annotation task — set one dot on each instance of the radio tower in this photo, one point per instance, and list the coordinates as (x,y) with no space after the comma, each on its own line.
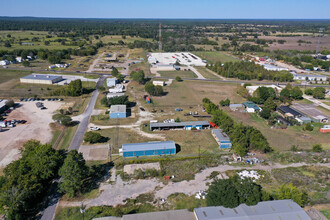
(319,41)
(160,38)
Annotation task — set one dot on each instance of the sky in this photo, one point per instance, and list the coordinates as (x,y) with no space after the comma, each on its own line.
(212,9)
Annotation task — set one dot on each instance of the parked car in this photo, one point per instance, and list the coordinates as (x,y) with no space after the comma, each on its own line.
(95,128)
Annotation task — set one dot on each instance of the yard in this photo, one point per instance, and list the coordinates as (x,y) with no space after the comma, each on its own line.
(180,73)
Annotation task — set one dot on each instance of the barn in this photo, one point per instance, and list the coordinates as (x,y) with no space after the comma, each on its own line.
(222,138)
(148,149)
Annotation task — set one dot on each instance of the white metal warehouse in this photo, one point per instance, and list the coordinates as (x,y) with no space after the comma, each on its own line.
(41,79)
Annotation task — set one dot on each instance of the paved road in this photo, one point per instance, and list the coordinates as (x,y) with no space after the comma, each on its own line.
(95,62)
(77,139)
(54,198)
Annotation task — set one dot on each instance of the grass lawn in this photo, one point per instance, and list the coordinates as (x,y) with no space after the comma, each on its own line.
(206,73)
(281,139)
(104,119)
(326,213)
(182,74)
(188,93)
(65,142)
(191,141)
(213,56)
(123,136)
(140,66)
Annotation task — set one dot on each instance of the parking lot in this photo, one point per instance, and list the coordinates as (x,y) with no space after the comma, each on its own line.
(36,127)
(309,109)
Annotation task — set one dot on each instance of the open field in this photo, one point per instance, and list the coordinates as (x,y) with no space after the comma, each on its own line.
(26,37)
(292,43)
(37,127)
(283,139)
(182,74)
(213,57)
(191,93)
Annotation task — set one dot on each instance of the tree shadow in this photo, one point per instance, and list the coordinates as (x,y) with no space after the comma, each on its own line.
(97,174)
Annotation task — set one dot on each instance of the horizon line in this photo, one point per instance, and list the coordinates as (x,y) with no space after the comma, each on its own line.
(169,18)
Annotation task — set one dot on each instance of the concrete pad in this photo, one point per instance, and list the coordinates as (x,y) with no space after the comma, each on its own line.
(95,152)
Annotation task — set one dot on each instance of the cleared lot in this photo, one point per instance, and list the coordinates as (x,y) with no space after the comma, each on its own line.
(309,109)
(37,127)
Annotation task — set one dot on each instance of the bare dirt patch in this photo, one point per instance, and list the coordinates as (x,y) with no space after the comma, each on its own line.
(94,152)
(129,169)
(37,127)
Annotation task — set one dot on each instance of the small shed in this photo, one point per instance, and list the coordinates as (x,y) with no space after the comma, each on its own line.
(148,149)
(118,111)
(148,100)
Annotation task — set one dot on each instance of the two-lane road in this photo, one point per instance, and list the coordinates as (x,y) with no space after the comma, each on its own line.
(77,139)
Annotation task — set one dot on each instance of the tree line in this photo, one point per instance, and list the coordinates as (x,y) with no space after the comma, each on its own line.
(243,138)
(248,71)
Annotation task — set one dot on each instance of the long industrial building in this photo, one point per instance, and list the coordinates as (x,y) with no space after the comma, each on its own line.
(41,79)
(148,149)
(3,106)
(169,59)
(268,210)
(187,125)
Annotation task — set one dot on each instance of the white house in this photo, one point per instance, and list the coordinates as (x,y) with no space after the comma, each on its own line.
(117,89)
(4,62)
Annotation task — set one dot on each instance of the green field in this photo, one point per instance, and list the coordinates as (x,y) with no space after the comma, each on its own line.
(26,37)
(182,74)
(213,57)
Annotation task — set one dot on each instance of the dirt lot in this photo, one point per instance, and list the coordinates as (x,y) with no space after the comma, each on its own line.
(292,44)
(94,152)
(37,127)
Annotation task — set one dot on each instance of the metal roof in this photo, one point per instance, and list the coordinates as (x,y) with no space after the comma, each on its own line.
(179,124)
(42,77)
(287,109)
(303,75)
(268,210)
(220,135)
(111,79)
(3,102)
(235,105)
(159,145)
(118,109)
(165,215)
(250,104)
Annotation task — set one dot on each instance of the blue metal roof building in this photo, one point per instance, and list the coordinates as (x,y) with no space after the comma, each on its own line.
(222,138)
(148,149)
(118,111)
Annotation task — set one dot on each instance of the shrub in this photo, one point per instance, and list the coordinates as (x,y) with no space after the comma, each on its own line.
(93,137)
(317,148)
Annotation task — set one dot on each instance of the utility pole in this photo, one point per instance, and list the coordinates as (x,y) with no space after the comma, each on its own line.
(199,152)
(319,41)
(160,37)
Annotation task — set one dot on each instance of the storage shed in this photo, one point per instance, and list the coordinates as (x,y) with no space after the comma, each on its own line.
(118,111)
(41,79)
(222,138)
(148,149)
(187,125)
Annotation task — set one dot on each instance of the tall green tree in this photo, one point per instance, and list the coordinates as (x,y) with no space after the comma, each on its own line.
(290,191)
(75,88)
(74,173)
